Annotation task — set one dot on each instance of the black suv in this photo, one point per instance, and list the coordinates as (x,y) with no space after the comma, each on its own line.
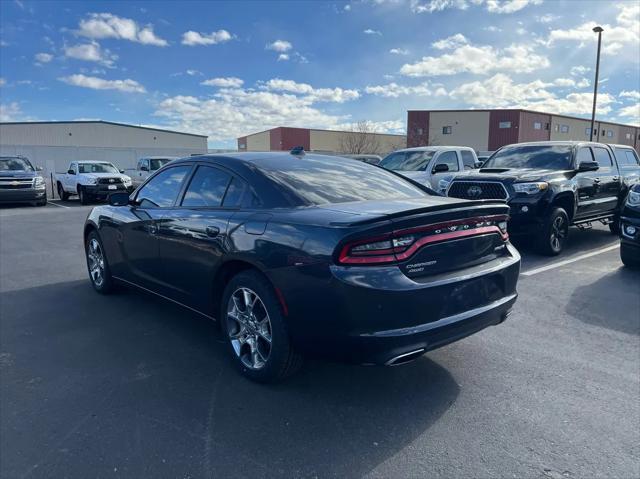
(630,229)
(552,185)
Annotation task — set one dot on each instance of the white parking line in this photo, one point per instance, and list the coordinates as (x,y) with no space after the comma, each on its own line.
(56,204)
(570,260)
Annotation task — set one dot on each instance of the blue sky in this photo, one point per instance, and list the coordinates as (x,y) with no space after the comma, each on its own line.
(226,69)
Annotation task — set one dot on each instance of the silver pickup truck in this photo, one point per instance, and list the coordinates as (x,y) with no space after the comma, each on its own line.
(147,166)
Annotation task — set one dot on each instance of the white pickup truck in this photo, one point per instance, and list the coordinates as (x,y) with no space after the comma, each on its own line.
(432,166)
(91,180)
(147,166)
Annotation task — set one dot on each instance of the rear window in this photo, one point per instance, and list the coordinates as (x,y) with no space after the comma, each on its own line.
(312,181)
(552,157)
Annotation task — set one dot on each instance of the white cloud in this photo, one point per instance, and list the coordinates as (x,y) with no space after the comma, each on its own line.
(624,33)
(347,8)
(547,18)
(281,46)
(633,94)
(451,42)
(283,57)
(500,91)
(3,82)
(192,38)
(492,6)
(193,72)
(309,93)
(96,83)
(579,70)
(228,82)
(107,25)
(370,31)
(10,112)
(632,112)
(393,90)
(388,126)
(478,59)
(41,58)
(399,51)
(91,52)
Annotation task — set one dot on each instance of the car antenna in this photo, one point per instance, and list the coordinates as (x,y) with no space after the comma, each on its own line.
(297,150)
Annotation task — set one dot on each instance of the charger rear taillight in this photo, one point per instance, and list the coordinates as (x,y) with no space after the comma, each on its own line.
(402,244)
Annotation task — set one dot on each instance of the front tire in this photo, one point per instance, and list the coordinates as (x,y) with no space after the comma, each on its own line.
(614,226)
(97,264)
(256,330)
(628,258)
(84,196)
(555,232)
(42,202)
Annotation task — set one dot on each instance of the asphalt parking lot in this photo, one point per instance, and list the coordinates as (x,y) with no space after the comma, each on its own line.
(131,386)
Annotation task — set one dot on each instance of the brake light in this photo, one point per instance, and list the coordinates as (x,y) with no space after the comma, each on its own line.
(402,244)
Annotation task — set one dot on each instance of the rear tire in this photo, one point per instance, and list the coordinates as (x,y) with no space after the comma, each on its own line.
(555,232)
(97,264)
(628,258)
(64,196)
(257,336)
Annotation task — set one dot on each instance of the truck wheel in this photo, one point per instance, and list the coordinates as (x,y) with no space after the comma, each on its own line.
(84,197)
(64,196)
(42,202)
(614,226)
(555,231)
(628,258)
(256,330)
(97,264)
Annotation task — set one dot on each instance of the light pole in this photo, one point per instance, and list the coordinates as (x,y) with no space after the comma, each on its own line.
(599,31)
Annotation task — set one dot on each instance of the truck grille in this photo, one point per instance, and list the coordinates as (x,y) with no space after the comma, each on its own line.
(109,181)
(15,183)
(477,190)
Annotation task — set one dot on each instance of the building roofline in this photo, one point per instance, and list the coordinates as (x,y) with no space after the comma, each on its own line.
(315,129)
(76,122)
(527,111)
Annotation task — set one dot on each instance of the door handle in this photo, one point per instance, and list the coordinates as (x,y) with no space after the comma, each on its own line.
(616,178)
(212,231)
(596,180)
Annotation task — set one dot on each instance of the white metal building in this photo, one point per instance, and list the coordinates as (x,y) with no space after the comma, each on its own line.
(54,144)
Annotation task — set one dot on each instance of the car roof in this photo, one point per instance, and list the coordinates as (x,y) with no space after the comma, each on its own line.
(92,161)
(629,147)
(557,143)
(435,148)
(159,157)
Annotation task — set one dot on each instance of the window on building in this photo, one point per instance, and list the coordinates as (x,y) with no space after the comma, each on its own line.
(628,136)
(587,132)
(242,146)
(537,125)
(446,130)
(557,128)
(564,128)
(420,131)
(504,124)
(604,132)
(609,133)
(602,157)
(546,126)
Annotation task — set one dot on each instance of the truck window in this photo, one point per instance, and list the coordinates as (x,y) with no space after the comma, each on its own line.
(468,160)
(449,158)
(602,157)
(584,154)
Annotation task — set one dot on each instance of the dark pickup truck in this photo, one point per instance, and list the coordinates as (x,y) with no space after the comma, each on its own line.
(552,185)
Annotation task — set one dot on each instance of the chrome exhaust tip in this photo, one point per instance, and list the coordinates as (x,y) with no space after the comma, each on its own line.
(405,358)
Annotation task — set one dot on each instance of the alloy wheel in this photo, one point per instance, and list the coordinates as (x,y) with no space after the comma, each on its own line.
(95,258)
(558,233)
(249,328)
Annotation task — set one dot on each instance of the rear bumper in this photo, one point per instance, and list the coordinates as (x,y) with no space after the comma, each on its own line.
(22,195)
(370,315)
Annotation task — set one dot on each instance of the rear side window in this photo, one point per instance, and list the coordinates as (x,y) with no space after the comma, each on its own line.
(627,157)
(235,193)
(207,188)
(468,160)
(449,158)
(602,157)
(162,190)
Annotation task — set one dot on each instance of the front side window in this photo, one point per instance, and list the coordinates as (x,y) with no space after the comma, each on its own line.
(157,163)
(97,168)
(162,190)
(468,160)
(450,159)
(207,188)
(15,164)
(584,154)
(407,160)
(553,157)
(602,157)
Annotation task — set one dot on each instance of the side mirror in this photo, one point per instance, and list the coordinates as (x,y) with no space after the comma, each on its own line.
(440,168)
(478,164)
(119,199)
(121,171)
(144,168)
(588,166)
(39,168)
(71,172)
